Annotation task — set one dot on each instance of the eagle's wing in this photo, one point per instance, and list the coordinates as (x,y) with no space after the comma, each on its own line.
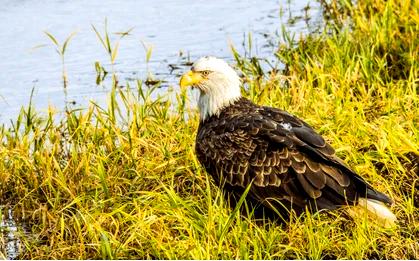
(283,156)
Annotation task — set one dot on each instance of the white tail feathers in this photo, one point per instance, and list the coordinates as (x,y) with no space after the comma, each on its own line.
(379,210)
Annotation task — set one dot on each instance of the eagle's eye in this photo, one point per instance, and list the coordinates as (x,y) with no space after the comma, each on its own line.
(205,73)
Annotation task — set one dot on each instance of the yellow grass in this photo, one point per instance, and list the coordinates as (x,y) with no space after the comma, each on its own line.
(123,181)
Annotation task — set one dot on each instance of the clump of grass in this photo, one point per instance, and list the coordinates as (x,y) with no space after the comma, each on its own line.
(122,181)
(112,50)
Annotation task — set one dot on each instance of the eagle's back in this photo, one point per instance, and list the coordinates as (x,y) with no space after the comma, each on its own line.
(286,161)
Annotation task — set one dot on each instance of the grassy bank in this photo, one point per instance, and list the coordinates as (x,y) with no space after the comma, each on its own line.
(122,181)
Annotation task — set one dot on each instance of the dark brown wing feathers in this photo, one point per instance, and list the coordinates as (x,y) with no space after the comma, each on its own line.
(283,156)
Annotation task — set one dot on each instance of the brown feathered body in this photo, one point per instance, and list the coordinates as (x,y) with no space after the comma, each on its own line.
(289,165)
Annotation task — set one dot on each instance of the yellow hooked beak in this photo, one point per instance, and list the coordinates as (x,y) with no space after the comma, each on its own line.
(190,78)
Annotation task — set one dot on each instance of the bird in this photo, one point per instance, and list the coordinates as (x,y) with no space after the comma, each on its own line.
(279,160)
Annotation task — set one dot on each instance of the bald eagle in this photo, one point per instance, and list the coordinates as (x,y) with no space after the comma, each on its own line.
(285,163)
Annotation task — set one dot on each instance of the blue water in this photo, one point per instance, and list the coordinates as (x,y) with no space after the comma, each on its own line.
(192,28)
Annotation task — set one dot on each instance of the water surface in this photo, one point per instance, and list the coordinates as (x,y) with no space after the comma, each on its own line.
(191,28)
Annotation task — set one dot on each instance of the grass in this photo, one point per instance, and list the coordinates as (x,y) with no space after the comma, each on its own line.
(122,181)
(60,49)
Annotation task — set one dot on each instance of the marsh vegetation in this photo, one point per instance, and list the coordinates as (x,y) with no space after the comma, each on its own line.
(121,180)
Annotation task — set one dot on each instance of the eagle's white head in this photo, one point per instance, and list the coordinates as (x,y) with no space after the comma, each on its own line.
(217,82)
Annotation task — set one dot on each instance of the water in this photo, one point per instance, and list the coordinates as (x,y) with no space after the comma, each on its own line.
(10,233)
(178,31)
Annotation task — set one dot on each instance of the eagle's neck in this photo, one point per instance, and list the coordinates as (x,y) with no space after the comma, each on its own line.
(215,100)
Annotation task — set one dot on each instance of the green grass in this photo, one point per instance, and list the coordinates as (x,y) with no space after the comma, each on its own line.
(122,181)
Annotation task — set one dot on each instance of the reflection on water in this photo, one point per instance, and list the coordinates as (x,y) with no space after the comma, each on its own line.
(178,30)
(10,246)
